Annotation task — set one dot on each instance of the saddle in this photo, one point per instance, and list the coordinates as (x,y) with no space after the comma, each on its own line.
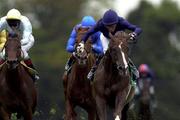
(30,70)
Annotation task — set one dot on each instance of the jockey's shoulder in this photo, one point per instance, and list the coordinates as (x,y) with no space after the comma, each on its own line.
(24,19)
(77,26)
(2,19)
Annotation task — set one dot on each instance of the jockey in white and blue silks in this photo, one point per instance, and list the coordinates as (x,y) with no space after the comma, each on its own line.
(15,21)
(111,23)
(87,21)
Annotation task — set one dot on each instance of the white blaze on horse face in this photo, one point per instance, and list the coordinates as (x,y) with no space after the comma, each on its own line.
(80,48)
(117,117)
(123,56)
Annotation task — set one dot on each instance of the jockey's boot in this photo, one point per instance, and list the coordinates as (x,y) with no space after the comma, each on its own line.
(134,71)
(90,75)
(69,64)
(68,67)
(28,62)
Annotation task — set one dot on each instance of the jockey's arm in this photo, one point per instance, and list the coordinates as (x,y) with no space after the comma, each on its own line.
(3,24)
(132,27)
(97,45)
(91,31)
(27,40)
(71,42)
(29,44)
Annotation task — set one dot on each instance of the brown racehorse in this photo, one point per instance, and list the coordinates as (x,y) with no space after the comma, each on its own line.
(17,90)
(77,88)
(144,112)
(112,79)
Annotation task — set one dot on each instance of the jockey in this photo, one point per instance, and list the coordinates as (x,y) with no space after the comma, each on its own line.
(111,23)
(87,22)
(15,21)
(146,73)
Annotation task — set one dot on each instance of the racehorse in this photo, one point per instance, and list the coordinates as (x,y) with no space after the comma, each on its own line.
(112,79)
(77,88)
(144,112)
(17,90)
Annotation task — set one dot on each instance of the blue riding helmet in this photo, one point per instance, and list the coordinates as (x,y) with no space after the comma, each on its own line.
(88,21)
(110,17)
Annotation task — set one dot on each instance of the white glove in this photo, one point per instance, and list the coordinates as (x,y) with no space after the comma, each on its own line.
(133,35)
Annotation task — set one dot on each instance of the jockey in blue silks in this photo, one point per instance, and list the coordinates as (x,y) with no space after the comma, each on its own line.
(111,23)
(87,21)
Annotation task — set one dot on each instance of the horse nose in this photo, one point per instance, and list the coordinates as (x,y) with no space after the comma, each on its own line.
(12,61)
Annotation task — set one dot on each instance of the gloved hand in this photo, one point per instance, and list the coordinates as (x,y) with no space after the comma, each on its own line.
(133,36)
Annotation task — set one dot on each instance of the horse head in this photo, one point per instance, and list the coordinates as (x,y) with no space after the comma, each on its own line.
(82,52)
(13,49)
(118,51)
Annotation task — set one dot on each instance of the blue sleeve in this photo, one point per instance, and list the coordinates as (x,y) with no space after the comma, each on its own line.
(91,31)
(97,45)
(71,42)
(132,27)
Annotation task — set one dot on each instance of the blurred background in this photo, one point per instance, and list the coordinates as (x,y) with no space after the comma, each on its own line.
(158,45)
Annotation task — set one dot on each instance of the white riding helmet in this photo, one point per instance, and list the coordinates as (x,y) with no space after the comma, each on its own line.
(13,14)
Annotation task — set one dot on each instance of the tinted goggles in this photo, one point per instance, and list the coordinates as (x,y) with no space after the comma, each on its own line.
(13,23)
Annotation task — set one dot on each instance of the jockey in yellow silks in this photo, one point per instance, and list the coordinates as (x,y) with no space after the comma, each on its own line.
(14,20)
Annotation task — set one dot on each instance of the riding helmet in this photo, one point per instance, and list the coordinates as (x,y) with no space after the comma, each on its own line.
(88,21)
(110,17)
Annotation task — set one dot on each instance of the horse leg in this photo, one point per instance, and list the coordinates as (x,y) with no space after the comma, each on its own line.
(27,114)
(91,110)
(65,84)
(70,113)
(4,115)
(126,107)
(119,104)
(101,107)
(125,112)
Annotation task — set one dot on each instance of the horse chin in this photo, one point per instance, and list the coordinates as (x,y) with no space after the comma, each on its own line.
(122,72)
(12,64)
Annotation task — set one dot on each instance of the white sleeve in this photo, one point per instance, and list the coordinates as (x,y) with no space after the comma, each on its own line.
(3,23)
(30,43)
(26,30)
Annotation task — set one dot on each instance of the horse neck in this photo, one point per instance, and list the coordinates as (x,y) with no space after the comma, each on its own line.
(79,73)
(86,67)
(145,91)
(13,77)
(107,63)
(146,87)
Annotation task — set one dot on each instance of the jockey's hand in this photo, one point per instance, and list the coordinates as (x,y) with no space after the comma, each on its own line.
(74,54)
(80,47)
(133,36)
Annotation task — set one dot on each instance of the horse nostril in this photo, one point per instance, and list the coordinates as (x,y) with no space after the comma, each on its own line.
(119,67)
(11,61)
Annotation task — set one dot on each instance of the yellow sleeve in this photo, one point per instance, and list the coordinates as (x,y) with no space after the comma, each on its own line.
(2,38)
